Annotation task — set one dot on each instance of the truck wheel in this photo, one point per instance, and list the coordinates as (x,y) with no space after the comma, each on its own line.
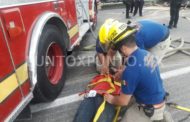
(51,65)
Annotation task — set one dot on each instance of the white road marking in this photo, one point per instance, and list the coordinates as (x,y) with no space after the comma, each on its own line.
(157,8)
(80,79)
(75,97)
(58,102)
(171,65)
(175,73)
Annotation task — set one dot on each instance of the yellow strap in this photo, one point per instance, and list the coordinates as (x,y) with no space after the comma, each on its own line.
(100,110)
(102,106)
(117,83)
(112,89)
(182,108)
(117,114)
(108,80)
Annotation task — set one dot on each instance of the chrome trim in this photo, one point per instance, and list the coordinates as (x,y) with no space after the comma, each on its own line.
(25,3)
(19,108)
(79,38)
(75,43)
(34,41)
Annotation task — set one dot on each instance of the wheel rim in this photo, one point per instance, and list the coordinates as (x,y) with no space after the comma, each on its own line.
(54,63)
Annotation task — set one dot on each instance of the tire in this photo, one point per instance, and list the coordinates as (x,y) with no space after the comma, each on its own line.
(51,68)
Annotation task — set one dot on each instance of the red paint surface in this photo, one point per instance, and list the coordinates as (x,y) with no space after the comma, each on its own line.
(5,62)
(26,88)
(12,101)
(9,104)
(26,16)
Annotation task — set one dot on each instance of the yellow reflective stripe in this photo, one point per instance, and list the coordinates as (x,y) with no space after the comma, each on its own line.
(100,110)
(7,86)
(117,114)
(73,31)
(117,83)
(22,73)
(112,89)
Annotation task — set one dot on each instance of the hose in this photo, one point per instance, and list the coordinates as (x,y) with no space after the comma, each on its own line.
(180,48)
(89,47)
(176,106)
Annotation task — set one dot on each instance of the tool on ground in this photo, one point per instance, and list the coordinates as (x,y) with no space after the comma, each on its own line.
(176,106)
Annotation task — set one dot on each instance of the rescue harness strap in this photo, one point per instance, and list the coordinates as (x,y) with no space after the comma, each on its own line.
(111,90)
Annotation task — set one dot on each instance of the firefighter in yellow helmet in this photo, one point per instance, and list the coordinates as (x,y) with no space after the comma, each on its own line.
(106,54)
(102,47)
(141,78)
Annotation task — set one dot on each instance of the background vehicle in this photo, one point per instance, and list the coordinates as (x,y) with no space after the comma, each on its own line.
(35,36)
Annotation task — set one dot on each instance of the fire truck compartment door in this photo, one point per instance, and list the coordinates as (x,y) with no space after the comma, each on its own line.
(10,92)
(16,41)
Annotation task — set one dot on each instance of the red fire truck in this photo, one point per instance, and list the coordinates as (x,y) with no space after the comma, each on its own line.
(32,34)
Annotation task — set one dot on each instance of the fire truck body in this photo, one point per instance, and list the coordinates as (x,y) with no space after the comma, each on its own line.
(31,30)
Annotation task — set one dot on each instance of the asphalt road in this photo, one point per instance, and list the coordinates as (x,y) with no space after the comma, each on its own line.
(177,82)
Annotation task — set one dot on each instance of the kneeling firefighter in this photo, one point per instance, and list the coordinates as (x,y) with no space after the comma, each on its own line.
(141,79)
(152,36)
(105,55)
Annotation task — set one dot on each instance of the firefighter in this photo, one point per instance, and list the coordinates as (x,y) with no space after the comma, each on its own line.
(105,55)
(174,13)
(151,36)
(128,4)
(141,79)
(138,6)
(154,37)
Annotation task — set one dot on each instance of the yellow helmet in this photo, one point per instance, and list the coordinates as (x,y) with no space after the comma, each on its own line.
(104,29)
(119,31)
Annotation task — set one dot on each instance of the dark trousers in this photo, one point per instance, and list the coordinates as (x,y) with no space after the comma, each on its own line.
(132,6)
(138,5)
(174,15)
(88,108)
(127,10)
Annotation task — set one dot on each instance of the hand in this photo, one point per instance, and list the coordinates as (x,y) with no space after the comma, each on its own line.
(119,73)
(104,70)
(109,98)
